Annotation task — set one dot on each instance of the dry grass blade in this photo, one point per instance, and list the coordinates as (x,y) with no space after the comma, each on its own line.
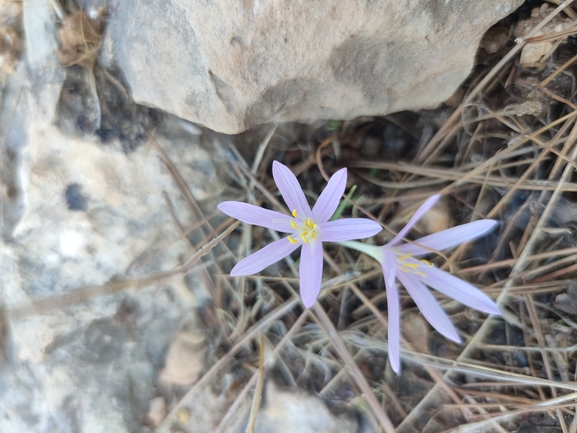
(259,387)
(554,403)
(448,176)
(551,36)
(80,295)
(110,288)
(354,371)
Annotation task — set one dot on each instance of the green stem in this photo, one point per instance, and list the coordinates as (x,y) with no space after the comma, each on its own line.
(370,250)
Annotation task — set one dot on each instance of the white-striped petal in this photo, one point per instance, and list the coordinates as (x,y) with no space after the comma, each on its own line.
(329,199)
(457,289)
(429,306)
(258,216)
(448,238)
(264,257)
(311,272)
(290,189)
(389,265)
(423,209)
(347,229)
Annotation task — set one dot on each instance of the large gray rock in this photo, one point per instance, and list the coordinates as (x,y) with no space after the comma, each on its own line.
(231,65)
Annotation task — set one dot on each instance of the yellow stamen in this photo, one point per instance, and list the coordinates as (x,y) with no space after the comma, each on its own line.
(294,213)
(411,265)
(304,239)
(309,223)
(426,262)
(405,257)
(291,240)
(293,225)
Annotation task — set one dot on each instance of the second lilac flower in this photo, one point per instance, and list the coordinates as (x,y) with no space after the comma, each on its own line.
(399,262)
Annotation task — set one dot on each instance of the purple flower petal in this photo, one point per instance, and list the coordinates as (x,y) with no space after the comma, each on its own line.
(429,306)
(389,265)
(290,189)
(449,238)
(348,229)
(311,272)
(329,199)
(428,204)
(264,257)
(457,289)
(258,216)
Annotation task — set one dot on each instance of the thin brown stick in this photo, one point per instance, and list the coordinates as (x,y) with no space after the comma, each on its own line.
(259,387)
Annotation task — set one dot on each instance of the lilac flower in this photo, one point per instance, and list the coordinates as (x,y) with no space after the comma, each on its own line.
(398,261)
(308,228)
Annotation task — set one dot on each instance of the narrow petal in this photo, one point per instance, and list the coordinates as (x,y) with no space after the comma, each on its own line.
(264,257)
(311,272)
(416,217)
(290,189)
(457,289)
(429,306)
(449,238)
(257,216)
(393,306)
(348,229)
(329,199)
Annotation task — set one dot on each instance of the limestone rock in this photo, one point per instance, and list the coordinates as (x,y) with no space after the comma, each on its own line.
(186,356)
(537,52)
(230,66)
(77,214)
(44,71)
(93,214)
(297,412)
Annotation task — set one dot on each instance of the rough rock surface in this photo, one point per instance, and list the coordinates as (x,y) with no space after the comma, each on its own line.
(93,215)
(76,213)
(298,413)
(230,66)
(534,53)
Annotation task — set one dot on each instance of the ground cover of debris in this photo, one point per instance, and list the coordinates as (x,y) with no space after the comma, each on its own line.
(504,147)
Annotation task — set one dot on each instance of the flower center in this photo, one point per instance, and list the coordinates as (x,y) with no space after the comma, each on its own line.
(411,267)
(304,229)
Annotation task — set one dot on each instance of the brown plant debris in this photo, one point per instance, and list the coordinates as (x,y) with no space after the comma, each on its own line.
(80,38)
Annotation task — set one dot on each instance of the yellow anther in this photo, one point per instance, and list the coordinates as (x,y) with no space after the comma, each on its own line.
(294,213)
(426,262)
(291,240)
(293,225)
(411,265)
(405,257)
(309,223)
(304,238)
(403,269)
